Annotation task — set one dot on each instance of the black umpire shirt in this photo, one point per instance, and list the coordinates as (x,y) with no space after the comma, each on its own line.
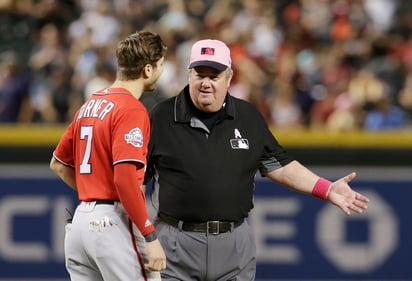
(203,174)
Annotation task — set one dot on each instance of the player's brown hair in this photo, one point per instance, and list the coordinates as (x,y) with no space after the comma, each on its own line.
(136,51)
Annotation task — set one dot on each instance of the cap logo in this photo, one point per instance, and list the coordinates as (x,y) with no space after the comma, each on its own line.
(207,51)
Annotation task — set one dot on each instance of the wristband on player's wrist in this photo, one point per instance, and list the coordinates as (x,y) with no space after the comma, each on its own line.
(321,188)
(150,237)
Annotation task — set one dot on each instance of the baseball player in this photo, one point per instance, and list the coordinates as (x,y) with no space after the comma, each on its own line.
(205,149)
(102,155)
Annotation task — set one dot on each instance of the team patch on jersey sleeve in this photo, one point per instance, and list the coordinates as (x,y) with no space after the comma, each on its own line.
(134,137)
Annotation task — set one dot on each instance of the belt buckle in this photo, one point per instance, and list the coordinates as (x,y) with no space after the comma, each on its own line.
(213,227)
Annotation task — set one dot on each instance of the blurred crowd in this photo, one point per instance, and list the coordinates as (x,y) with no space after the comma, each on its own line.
(326,64)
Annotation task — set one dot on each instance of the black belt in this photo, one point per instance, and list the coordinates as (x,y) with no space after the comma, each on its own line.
(209,227)
(105,202)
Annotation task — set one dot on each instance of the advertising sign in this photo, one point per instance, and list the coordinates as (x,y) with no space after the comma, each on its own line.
(298,237)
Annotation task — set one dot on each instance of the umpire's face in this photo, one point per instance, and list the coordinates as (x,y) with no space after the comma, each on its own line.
(208,87)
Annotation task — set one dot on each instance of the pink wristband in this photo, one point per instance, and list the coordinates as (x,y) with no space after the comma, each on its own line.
(321,188)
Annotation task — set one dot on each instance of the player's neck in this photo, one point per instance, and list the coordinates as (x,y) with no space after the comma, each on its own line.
(133,86)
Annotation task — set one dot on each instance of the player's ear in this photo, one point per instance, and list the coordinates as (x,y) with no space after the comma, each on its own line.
(147,70)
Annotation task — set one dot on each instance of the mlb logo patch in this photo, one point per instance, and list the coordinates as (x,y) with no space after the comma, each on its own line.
(207,51)
(239,144)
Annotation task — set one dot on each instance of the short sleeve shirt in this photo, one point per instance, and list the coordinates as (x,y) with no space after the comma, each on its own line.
(111,127)
(203,174)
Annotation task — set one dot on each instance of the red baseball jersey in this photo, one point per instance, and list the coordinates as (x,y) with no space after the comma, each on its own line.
(111,127)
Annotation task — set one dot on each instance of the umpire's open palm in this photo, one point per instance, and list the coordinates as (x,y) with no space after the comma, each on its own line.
(343,196)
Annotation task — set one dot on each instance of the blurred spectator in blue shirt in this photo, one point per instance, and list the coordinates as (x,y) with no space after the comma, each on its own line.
(385,115)
(14,89)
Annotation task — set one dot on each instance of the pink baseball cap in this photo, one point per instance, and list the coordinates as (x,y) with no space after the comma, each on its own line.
(212,53)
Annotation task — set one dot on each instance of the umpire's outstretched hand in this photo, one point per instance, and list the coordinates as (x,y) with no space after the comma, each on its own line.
(343,196)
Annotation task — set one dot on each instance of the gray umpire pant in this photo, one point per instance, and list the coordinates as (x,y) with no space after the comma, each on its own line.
(229,256)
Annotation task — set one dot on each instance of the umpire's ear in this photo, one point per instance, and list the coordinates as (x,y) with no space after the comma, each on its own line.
(229,75)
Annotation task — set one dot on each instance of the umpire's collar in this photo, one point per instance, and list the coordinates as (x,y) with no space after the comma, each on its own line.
(183,111)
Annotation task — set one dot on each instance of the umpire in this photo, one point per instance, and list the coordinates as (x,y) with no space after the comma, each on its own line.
(205,149)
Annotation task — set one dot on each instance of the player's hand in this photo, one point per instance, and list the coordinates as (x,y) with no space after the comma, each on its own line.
(156,257)
(342,195)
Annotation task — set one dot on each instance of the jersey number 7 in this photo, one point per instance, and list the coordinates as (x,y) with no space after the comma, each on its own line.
(86,133)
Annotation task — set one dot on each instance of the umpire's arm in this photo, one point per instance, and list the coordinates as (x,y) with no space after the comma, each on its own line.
(299,178)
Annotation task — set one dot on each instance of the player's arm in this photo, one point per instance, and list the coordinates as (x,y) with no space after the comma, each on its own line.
(66,173)
(299,178)
(128,182)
